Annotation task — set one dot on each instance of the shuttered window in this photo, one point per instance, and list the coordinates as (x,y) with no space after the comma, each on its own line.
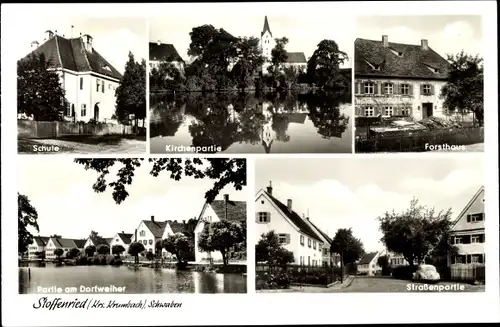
(263,217)
(474,218)
(284,238)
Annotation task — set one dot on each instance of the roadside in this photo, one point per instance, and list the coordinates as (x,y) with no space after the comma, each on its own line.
(336,287)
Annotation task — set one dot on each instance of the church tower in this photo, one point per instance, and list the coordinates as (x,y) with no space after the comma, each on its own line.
(266,43)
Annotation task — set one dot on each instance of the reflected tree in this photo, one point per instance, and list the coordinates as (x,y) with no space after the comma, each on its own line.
(324,112)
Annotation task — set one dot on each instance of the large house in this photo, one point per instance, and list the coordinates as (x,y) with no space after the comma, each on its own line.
(267,43)
(151,231)
(123,239)
(96,241)
(37,247)
(395,79)
(88,79)
(368,264)
(218,210)
(294,233)
(328,259)
(468,232)
(65,244)
(164,52)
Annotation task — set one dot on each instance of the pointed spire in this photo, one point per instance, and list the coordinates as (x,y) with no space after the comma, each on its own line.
(266,27)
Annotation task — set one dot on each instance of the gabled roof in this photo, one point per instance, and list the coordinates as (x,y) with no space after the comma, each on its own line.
(163,52)
(177,227)
(156,227)
(266,27)
(126,238)
(296,58)
(80,243)
(236,210)
(71,54)
(68,243)
(367,258)
(329,240)
(469,204)
(413,61)
(294,218)
(100,240)
(41,240)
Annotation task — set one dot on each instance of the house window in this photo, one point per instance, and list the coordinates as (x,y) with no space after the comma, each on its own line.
(145,242)
(476,217)
(369,111)
(405,111)
(68,109)
(309,242)
(475,239)
(81,83)
(72,109)
(369,88)
(426,89)
(325,251)
(264,217)
(83,112)
(405,89)
(458,240)
(117,240)
(301,260)
(150,242)
(302,240)
(282,238)
(389,111)
(103,86)
(388,88)
(458,259)
(142,233)
(314,245)
(308,260)
(98,84)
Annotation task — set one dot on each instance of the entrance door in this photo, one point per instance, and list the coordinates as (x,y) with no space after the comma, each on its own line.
(96,112)
(427,110)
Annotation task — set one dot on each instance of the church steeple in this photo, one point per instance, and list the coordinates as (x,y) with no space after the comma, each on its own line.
(266,27)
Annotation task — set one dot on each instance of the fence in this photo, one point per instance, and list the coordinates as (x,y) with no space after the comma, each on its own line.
(32,129)
(420,141)
(302,274)
(468,273)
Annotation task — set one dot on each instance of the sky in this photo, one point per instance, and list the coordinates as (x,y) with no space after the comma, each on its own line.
(303,31)
(445,34)
(112,37)
(69,206)
(353,192)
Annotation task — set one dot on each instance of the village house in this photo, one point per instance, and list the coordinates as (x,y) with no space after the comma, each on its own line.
(65,244)
(395,79)
(164,52)
(96,241)
(151,231)
(37,247)
(294,233)
(467,233)
(267,43)
(123,239)
(328,259)
(368,264)
(171,228)
(218,210)
(87,78)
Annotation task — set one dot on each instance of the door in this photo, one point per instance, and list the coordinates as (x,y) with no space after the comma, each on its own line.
(96,112)
(427,110)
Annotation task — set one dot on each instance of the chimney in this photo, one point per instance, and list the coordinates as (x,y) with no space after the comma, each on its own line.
(159,43)
(34,45)
(385,41)
(123,232)
(49,34)
(270,188)
(424,44)
(226,200)
(153,218)
(87,42)
(289,204)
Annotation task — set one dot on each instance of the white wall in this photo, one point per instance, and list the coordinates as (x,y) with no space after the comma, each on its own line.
(209,215)
(118,241)
(144,235)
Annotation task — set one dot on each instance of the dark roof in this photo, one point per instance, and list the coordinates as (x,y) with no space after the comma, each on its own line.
(68,243)
(177,227)
(156,227)
(413,61)
(367,258)
(71,54)
(236,210)
(126,238)
(100,240)
(321,232)
(295,218)
(266,27)
(163,52)
(41,240)
(80,243)
(296,58)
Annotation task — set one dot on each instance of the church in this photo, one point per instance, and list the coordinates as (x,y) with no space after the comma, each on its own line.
(267,43)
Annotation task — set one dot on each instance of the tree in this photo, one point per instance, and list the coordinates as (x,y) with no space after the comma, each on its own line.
(250,59)
(323,66)
(464,89)
(348,247)
(223,171)
(73,253)
(26,216)
(150,255)
(269,250)
(134,249)
(117,250)
(179,245)
(383,262)
(415,232)
(279,56)
(103,249)
(220,236)
(131,93)
(58,253)
(40,255)
(90,250)
(39,91)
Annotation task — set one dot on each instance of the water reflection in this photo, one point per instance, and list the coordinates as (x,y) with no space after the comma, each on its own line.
(135,280)
(250,123)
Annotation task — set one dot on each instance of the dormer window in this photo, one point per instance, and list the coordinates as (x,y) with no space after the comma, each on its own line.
(106,68)
(373,66)
(432,69)
(396,52)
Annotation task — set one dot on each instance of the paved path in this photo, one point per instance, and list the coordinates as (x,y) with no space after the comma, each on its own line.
(52,146)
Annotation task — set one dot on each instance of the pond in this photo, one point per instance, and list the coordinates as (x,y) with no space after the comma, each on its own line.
(248,123)
(133,279)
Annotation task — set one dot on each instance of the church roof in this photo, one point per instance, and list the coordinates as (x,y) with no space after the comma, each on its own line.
(296,57)
(266,27)
(163,52)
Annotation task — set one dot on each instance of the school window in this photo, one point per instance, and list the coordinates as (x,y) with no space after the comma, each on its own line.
(476,217)
(369,111)
(302,240)
(389,88)
(458,240)
(314,245)
(475,239)
(405,89)
(389,111)
(325,251)
(405,111)
(309,242)
(83,111)
(98,84)
(142,233)
(426,89)
(150,242)
(264,217)
(476,258)
(282,238)
(81,83)
(369,88)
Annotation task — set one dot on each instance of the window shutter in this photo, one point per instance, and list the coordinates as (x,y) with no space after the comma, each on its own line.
(468,218)
(362,91)
(268,217)
(396,89)
(287,238)
(382,91)
(482,216)
(375,88)
(257,217)
(421,89)
(432,89)
(410,89)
